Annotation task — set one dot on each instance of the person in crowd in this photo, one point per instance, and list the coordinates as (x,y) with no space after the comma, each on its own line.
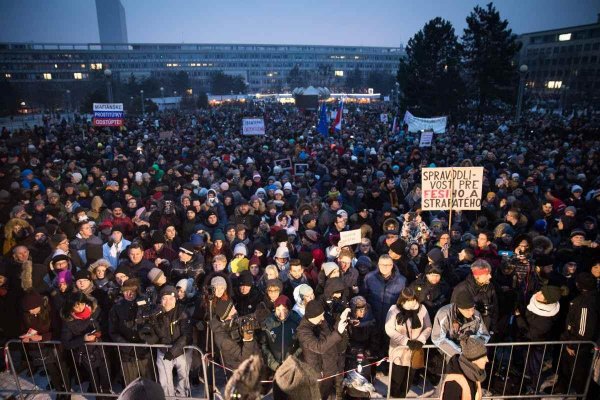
(466,371)
(279,334)
(431,290)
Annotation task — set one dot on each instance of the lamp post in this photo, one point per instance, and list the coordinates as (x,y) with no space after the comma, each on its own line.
(68,100)
(108,75)
(522,73)
(142,98)
(176,101)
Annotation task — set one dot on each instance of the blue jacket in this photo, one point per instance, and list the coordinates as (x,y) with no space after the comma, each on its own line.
(382,294)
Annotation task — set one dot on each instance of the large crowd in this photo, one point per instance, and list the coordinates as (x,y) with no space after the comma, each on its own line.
(176,229)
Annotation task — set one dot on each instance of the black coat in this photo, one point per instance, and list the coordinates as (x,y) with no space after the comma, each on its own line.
(122,328)
(319,346)
(72,338)
(171,328)
(486,301)
(233,352)
(246,304)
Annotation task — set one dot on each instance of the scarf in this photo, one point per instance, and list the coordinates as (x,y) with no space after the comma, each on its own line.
(471,371)
(85,314)
(412,315)
(542,309)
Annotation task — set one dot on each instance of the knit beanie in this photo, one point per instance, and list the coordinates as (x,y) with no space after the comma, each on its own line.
(154,274)
(473,348)
(218,281)
(551,294)
(329,267)
(314,308)
(464,300)
(32,300)
(297,381)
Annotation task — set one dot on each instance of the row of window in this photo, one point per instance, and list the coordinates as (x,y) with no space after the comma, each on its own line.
(564,49)
(565,36)
(532,62)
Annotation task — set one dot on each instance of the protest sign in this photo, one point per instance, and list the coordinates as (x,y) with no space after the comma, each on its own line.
(300,169)
(108,114)
(383,118)
(416,124)
(253,126)
(284,163)
(348,238)
(426,139)
(454,188)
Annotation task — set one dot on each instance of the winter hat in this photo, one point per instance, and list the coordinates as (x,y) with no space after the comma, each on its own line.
(329,267)
(219,236)
(245,381)
(224,187)
(576,188)
(297,381)
(77,177)
(311,235)
(240,248)
(281,236)
(158,237)
(124,269)
(305,258)
(142,388)
(131,284)
(302,291)
(577,232)
(187,248)
(433,269)
(167,290)
(436,255)
(245,279)
(282,300)
(358,302)
(238,265)
(197,240)
(64,276)
(473,348)
(464,300)
(282,252)
(218,281)
(32,300)
(551,294)
(398,247)
(154,274)
(223,308)
(82,274)
(314,308)
(540,225)
(586,281)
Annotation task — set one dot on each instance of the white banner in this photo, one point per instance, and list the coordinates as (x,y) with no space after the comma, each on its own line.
(426,139)
(416,124)
(454,188)
(253,126)
(348,238)
(383,118)
(108,107)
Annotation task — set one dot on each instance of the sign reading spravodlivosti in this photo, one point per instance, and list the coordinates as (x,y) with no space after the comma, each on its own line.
(454,188)
(253,126)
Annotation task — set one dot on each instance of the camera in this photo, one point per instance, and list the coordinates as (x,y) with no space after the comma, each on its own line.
(484,309)
(240,325)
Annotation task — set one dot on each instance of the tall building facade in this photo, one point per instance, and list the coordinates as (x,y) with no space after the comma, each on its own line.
(112,24)
(563,65)
(264,67)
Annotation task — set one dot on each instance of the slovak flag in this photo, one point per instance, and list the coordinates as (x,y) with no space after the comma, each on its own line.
(337,122)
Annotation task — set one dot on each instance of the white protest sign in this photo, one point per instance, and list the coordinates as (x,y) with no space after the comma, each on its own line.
(416,124)
(348,238)
(383,118)
(426,139)
(454,188)
(253,126)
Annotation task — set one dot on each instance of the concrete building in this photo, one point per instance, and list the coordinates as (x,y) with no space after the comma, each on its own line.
(112,24)
(563,65)
(264,67)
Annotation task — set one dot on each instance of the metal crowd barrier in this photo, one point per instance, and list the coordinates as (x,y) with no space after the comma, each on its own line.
(56,361)
(507,369)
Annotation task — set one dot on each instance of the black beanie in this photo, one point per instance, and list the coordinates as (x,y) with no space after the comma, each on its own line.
(82,274)
(586,281)
(464,300)
(314,308)
(305,258)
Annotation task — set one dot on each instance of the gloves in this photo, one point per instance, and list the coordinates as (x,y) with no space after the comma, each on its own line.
(414,345)
(343,324)
(168,356)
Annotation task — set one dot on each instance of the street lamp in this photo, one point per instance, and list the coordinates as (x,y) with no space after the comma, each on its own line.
(142,98)
(68,100)
(108,75)
(522,73)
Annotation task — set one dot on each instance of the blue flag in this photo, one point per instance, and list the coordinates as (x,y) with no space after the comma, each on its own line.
(323,126)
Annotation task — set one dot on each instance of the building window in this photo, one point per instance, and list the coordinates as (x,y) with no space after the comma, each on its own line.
(339,73)
(47,76)
(77,75)
(96,66)
(554,84)
(7,76)
(564,37)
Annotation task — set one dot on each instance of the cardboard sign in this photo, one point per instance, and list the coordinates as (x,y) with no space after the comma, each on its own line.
(383,118)
(284,163)
(454,188)
(426,139)
(253,126)
(348,238)
(108,114)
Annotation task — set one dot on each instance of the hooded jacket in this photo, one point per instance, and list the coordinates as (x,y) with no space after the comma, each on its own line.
(538,320)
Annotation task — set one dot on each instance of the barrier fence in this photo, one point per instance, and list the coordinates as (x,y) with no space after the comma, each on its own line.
(520,370)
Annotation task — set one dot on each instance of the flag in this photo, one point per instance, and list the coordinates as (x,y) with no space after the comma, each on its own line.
(337,122)
(322,126)
(394,126)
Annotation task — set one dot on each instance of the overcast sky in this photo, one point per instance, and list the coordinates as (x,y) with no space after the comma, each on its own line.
(343,22)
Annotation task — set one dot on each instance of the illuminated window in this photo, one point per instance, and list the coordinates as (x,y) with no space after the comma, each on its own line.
(96,66)
(77,75)
(82,65)
(47,76)
(554,84)
(339,73)
(564,37)
(189,92)
(7,76)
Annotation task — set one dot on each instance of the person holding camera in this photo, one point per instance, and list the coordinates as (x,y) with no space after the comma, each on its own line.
(319,341)
(124,326)
(407,324)
(234,337)
(171,327)
(280,333)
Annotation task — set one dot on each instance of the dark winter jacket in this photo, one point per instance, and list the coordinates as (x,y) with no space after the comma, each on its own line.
(318,344)
(72,337)
(246,304)
(381,294)
(233,352)
(486,301)
(191,269)
(279,339)
(124,329)
(538,320)
(172,328)
(431,296)
(583,320)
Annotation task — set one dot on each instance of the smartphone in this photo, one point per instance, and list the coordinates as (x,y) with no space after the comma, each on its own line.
(506,253)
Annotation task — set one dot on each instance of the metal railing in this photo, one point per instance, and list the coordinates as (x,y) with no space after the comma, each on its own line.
(67,371)
(516,370)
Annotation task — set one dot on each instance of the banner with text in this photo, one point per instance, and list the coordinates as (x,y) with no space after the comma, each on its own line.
(426,139)
(108,114)
(454,188)
(416,124)
(253,126)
